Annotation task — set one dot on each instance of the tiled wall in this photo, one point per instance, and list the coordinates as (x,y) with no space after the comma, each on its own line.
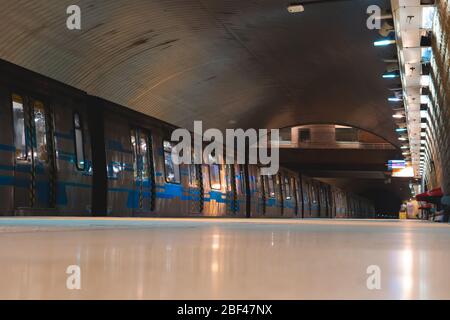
(437,172)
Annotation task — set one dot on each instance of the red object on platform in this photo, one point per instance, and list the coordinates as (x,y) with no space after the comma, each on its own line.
(435,193)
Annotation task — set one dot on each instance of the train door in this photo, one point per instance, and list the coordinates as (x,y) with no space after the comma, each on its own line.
(315,204)
(231,190)
(262,196)
(196,191)
(241,190)
(273,196)
(294,188)
(280,197)
(325,204)
(300,199)
(35,157)
(143,168)
(287,199)
(306,198)
(255,191)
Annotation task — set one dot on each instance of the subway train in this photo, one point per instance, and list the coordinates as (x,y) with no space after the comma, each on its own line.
(64,152)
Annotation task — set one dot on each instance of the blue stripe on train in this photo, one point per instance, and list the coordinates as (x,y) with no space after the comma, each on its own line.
(115,145)
(61,155)
(42,188)
(67,136)
(170,191)
(4,147)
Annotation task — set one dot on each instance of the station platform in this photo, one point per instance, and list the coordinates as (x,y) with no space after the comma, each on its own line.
(223,258)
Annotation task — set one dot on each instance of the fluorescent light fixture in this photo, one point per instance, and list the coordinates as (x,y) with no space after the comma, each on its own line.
(407,172)
(401,129)
(405,147)
(425,81)
(390,76)
(395,99)
(295,8)
(382,43)
(424,99)
(402,139)
(427,17)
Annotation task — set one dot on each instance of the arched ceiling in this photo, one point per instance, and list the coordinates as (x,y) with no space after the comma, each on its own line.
(230,63)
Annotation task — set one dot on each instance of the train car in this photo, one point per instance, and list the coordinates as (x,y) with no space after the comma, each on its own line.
(142,159)
(45,154)
(143,179)
(63,152)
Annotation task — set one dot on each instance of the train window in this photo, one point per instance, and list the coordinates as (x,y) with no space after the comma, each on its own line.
(229,177)
(79,143)
(214,177)
(287,189)
(293,188)
(19,127)
(305,189)
(345,134)
(40,128)
(194,180)
(135,154)
(313,194)
(241,178)
(172,170)
(144,155)
(195,171)
(270,186)
(305,135)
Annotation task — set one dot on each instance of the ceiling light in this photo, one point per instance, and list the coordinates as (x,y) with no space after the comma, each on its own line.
(381,43)
(295,8)
(390,75)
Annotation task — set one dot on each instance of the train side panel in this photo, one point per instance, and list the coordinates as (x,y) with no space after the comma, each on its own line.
(73,158)
(289,193)
(172,181)
(7,154)
(273,198)
(120,168)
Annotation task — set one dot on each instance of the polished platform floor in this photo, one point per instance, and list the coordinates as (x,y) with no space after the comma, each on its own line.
(223,259)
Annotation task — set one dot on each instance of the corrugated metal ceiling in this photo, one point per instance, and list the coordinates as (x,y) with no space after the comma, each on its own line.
(230,63)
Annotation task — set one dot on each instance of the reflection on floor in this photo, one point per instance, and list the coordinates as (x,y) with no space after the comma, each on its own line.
(222,259)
